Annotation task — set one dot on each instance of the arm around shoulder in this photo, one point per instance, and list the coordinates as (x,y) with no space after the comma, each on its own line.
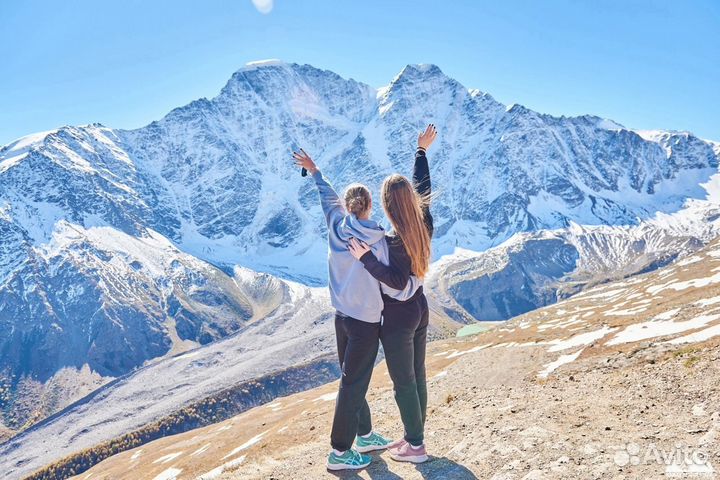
(396,275)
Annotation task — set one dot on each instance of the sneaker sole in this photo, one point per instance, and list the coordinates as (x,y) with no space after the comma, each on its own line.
(410,459)
(370,448)
(341,466)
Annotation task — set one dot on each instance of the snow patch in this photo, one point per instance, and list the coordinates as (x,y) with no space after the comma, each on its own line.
(700,336)
(247,444)
(667,314)
(706,302)
(200,450)
(216,472)
(471,350)
(328,397)
(627,311)
(712,187)
(167,458)
(580,340)
(169,474)
(688,260)
(562,360)
(659,328)
(560,323)
(693,283)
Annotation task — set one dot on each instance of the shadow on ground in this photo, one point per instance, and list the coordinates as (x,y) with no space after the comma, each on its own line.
(434,468)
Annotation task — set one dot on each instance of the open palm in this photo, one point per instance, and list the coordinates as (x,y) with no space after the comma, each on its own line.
(303,160)
(427,138)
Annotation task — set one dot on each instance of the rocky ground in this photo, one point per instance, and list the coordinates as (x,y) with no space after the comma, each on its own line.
(620,381)
(490,416)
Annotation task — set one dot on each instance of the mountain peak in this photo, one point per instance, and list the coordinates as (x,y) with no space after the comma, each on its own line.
(419,71)
(14,152)
(25,142)
(261,66)
(270,62)
(430,68)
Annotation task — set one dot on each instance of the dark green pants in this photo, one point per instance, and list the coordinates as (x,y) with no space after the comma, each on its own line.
(404,338)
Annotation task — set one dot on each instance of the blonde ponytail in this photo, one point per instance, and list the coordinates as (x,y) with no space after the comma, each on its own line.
(357,199)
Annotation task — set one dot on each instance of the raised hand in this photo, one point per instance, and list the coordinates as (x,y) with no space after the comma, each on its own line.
(357,248)
(303,160)
(426,138)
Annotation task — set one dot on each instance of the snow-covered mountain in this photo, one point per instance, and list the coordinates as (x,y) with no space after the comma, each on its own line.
(535,269)
(297,333)
(214,176)
(118,247)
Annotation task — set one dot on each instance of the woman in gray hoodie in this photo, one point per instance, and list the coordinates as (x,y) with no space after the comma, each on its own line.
(356,296)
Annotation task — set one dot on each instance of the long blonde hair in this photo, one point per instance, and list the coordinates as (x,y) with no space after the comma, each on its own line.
(404,208)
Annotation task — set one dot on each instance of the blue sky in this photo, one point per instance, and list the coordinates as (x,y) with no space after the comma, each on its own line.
(645,64)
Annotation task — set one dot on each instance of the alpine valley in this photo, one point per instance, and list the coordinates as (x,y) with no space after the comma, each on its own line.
(180,265)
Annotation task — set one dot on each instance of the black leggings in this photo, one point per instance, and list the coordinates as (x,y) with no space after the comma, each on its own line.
(358,344)
(404,337)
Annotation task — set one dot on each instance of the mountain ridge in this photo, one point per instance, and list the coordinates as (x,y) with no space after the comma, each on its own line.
(174,217)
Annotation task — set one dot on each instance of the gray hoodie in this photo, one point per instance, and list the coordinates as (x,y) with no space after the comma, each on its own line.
(353,291)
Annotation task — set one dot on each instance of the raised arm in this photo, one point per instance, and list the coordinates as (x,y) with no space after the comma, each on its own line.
(421,173)
(396,275)
(331,204)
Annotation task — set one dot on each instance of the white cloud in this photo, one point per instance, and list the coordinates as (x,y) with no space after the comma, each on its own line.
(263,6)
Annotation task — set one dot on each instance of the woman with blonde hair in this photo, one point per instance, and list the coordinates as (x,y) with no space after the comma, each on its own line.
(403,331)
(355,294)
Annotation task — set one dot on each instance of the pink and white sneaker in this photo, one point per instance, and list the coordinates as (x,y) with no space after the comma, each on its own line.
(407,453)
(397,443)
